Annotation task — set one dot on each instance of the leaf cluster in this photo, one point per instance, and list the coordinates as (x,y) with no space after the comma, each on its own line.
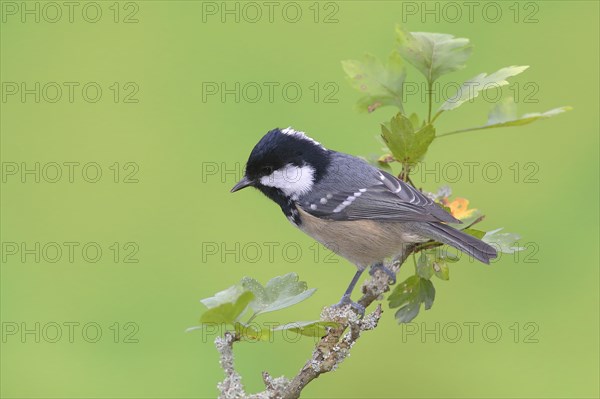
(433,258)
(408,138)
(230,308)
(433,55)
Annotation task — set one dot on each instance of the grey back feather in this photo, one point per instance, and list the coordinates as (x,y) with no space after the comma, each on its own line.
(354,190)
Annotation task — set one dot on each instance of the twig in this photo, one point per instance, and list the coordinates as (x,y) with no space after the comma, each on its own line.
(231,386)
(329,352)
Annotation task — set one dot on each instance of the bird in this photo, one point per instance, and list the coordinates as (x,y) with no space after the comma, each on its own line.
(356,210)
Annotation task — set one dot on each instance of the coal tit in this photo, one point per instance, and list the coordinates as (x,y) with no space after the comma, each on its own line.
(358,211)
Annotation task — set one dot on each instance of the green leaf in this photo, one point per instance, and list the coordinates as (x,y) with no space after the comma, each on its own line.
(404,292)
(252,332)
(433,54)
(531,117)
(427,293)
(409,295)
(414,120)
(433,262)
(475,233)
(397,134)
(380,84)
(407,145)
(503,114)
(227,313)
(420,143)
(504,242)
(229,295)
(441,269)
(472,87)
(279,292)
(425,265)
(309,328)
(503,111)
(408,312)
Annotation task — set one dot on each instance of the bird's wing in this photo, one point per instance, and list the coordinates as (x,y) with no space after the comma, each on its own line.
(386,198)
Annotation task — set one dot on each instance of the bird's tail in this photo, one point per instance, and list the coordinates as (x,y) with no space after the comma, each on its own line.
(459,240)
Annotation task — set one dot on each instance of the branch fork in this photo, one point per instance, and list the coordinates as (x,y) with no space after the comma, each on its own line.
(329,352)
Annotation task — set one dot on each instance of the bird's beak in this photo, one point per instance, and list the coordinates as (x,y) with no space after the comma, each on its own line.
(245,182)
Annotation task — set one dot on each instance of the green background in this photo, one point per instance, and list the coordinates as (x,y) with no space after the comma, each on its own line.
(173,136)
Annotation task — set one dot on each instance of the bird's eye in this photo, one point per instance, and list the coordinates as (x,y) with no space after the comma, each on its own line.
(267,170)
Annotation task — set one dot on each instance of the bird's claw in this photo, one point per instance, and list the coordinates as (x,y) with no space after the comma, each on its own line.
(380,266)
(354,305)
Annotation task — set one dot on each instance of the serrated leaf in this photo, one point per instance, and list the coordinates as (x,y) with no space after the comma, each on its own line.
(504,114)
(406,144)
(427,293)
(409,295)
(397,135)
(433,262)
(433,54)
(408,312)
(470,89)
(504,242)
(227,313)
(404,292)
(424,265)
(415,121)
(503,111)
(279,292)
(381,84)
(534,116)
(229,295)
(315,328)
(423,138)
(501,116)
(252,285)
(441,269)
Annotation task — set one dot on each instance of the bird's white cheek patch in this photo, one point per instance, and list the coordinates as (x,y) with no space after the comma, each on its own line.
(292,180)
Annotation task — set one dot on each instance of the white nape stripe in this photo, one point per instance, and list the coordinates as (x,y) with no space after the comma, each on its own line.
(301,135)
(292,180)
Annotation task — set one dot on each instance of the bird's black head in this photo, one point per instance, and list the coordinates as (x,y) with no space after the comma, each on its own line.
(285,164)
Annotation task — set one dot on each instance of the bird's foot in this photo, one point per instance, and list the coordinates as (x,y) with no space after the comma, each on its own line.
(380,266)
(354,305)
